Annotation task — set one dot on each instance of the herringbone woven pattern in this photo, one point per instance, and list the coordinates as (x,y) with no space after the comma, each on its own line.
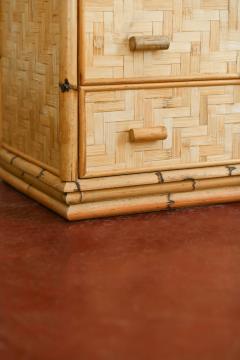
(203,126)
(30,71)
(204,35)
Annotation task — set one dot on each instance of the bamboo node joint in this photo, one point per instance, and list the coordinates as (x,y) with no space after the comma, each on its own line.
(170,202)
(40,174)
(194,182)
(78,186)
(231,169)
(12,160)
(160,177)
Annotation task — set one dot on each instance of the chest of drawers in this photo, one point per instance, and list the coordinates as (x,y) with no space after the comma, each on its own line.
(121,106)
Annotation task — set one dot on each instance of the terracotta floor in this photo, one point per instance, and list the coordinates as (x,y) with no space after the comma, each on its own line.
(162,286)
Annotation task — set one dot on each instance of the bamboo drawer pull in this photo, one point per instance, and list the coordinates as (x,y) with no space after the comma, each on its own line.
(138,43)
(148,134)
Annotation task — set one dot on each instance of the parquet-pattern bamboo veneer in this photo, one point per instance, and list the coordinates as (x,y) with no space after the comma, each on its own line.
(202,125)
(120,106)
(203,35)
(30,32)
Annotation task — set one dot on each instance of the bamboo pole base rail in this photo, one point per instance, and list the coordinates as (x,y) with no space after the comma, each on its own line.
(92,198)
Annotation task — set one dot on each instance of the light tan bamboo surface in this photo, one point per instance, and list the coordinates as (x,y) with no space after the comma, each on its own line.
(30,47)
(69,99)
(202,126)
(203,35)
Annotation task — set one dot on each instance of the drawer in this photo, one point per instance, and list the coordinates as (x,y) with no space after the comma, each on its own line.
(203,37)
(139,130)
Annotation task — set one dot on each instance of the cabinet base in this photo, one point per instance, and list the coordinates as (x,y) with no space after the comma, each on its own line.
(127,194)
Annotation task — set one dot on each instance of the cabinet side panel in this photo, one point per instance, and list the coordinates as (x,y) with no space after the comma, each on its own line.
(30,77)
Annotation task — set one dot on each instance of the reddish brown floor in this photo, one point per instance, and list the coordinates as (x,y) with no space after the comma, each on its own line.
(162,286)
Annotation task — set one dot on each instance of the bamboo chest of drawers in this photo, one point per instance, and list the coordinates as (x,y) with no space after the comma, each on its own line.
(120,106)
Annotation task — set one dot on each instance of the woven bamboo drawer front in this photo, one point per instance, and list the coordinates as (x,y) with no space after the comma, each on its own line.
(202,124)
(204,39)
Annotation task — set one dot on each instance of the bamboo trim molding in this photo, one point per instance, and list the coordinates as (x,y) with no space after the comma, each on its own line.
(153,203)
(125,205)
(30,159)
(73,198)
(162,177)
(158,80)
(69,100)
(35,182)
(36,171)
(163,85)
(122,181)
(146,190)
(167,190)
(163,168)
(32,192)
